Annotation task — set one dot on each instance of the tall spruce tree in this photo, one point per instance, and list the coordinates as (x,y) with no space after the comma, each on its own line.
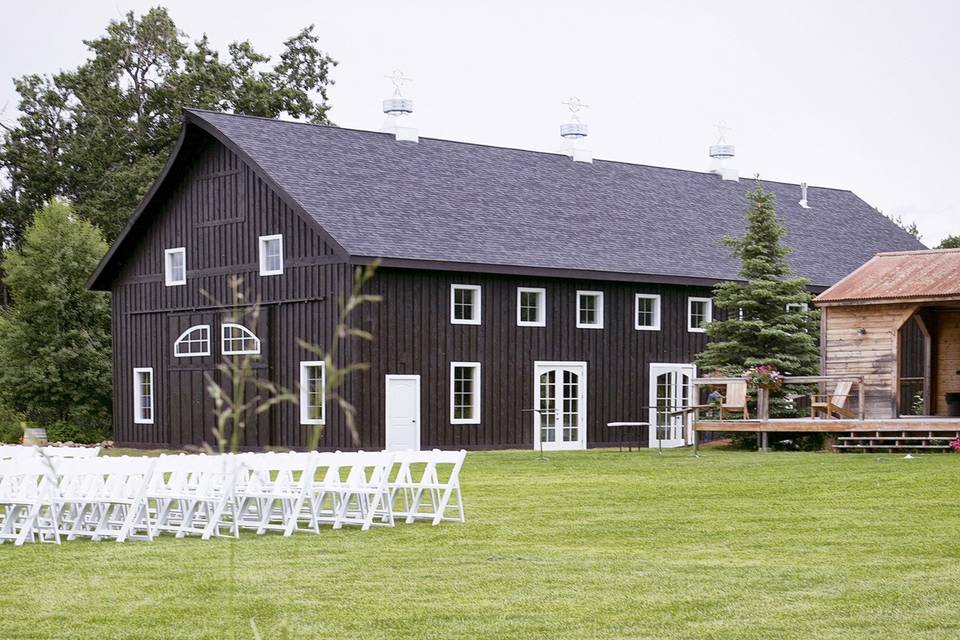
(769,318)
(55,339)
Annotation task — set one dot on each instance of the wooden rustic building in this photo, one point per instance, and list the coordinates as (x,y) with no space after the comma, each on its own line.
(512,280)
(896,322)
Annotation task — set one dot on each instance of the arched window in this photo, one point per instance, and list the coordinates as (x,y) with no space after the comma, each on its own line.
(237,339)
(195,341)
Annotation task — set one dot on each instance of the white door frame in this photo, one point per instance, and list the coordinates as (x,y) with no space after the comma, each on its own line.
(656,369)
(386,406)
(580,368)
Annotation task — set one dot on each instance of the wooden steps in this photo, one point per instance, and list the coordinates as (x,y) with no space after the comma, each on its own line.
(905,441)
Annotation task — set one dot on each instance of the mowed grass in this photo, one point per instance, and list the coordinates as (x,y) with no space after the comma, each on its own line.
(586,545)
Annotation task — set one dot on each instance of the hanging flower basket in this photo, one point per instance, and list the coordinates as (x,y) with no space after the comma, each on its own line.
(764,377)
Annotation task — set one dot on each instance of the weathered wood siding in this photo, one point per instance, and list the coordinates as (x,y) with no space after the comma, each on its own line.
(217,208)
(946,357)
(413,335)
(872,354)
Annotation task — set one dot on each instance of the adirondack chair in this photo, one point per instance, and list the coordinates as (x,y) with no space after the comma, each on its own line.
(735,400)
(835,404)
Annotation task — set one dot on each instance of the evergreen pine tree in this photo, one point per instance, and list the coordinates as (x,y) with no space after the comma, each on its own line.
(55,339)
(769,318)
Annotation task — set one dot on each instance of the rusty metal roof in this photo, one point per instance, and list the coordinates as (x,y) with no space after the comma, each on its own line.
(901,276)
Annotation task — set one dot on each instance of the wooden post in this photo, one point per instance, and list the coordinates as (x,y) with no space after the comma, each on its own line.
(861,399)
(763,413)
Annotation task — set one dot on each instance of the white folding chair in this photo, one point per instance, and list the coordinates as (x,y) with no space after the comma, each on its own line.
(27,491)
(424,493)
(276,493)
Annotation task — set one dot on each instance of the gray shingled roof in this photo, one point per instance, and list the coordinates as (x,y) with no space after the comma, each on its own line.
(454,202)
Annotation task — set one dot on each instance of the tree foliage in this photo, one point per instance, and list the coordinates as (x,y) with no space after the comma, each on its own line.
(759,328)
(950,242)
(55,338)
(98,135)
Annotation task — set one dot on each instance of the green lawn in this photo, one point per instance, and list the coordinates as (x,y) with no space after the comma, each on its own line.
(586,545)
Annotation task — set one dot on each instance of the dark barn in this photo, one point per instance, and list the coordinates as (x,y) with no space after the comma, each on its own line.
(511,279)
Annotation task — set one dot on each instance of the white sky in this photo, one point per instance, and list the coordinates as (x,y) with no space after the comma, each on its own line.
(857,95)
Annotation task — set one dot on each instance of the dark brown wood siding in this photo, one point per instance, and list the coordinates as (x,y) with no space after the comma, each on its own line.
(217,208)
(413,335)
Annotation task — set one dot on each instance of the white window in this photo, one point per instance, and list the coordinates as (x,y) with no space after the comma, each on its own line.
(143,395)
(646,315)
(699,314)
(465,392)
(271,255)
(175,266)
(464,304)
(531,307)
(797,307)
(195,341)
(589,310)
(313,392)
(236,339)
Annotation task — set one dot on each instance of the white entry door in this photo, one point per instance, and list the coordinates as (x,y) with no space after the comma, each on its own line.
(560,397)
(403,412)
(669,392)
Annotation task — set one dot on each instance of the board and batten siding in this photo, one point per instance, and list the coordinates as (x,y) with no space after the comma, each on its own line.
(946,357)
(413,335)
(871,354)
(217,207)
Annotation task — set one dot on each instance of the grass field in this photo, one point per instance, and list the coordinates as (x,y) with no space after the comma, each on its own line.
(586,545)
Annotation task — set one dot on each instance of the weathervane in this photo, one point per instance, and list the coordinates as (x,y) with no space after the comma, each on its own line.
(575,105)
(722,131)
(398,80)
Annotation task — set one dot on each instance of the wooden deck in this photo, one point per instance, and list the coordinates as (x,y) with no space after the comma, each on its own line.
(822,425)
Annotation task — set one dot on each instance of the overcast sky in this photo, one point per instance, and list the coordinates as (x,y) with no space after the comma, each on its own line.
(857,95)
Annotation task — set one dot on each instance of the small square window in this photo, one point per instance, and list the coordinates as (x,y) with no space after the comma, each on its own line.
(531,307)
(647,312)
(464,304)
(589,310)
(699,314)
(797,307)
(271,255)
(175,266)
(465,393)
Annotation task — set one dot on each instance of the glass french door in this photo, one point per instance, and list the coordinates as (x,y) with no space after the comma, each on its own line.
(669,391)
(560,400)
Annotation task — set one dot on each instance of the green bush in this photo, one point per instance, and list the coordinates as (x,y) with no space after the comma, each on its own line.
(11,427)
(67,432)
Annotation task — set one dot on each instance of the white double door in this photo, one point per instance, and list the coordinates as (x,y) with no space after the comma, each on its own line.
(560,400)
(669,392)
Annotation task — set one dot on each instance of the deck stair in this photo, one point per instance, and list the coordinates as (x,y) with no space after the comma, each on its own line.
(896,441)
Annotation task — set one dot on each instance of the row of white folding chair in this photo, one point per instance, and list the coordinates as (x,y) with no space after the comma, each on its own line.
(42,499)
(17,451)
(427,486)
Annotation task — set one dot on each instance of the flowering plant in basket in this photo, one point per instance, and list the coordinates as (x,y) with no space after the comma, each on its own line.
(955,445)
(764,377)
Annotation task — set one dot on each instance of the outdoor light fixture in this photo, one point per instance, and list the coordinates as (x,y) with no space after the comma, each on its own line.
(862,331)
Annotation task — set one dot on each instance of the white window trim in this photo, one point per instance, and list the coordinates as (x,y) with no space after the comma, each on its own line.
(304,419)
(800,307)
(261,242)
(247,333)
(477,303)
(599,323)
(708,317)
(137,415)
(656,311)
(476,393)
(541,307)
(205,328)
(167,253)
